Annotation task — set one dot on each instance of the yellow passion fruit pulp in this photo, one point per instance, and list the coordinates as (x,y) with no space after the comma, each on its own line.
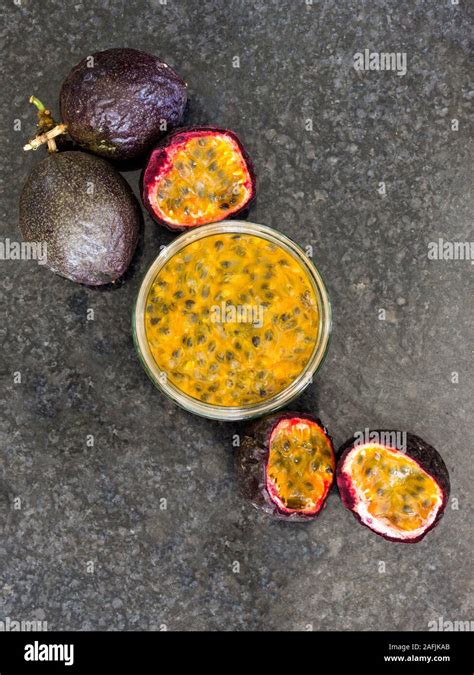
(232,319)
(301,465)
(394,488)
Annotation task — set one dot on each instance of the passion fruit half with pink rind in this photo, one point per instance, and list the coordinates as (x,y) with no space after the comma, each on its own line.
(197,175)
(399,494)
(286,465)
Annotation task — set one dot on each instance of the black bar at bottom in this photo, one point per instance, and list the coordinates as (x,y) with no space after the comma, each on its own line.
(378,652)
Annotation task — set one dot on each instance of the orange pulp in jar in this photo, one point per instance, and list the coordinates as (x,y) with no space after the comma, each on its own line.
(232,319)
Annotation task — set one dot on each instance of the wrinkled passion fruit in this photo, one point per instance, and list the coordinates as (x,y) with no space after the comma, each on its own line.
(286,465)
(399,494)
(196,176)
(117,103)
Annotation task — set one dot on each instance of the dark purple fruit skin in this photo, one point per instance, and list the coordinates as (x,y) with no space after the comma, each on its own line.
(85,212)
(251,459)
(424,454)
(158,158)
(116,108)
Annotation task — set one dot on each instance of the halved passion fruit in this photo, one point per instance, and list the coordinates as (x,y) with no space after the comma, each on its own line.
(197,175)
(400,494)
(286,465)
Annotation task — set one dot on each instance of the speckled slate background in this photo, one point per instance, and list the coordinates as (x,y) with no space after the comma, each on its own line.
(101,504)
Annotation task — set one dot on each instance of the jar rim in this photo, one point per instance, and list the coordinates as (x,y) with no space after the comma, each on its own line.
(232,413)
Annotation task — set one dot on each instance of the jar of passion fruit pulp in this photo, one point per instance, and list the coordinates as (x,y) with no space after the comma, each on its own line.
(232,320)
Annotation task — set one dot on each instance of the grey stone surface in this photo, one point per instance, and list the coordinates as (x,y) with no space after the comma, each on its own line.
(101,504)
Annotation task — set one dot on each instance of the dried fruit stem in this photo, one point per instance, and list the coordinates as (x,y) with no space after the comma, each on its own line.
(48,138)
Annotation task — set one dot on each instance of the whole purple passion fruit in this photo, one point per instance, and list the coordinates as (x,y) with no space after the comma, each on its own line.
(286,465)
(85,213)
(118,102)
(397,490)
(197,175)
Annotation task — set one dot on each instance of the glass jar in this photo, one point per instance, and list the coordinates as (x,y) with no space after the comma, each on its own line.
(273,403)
